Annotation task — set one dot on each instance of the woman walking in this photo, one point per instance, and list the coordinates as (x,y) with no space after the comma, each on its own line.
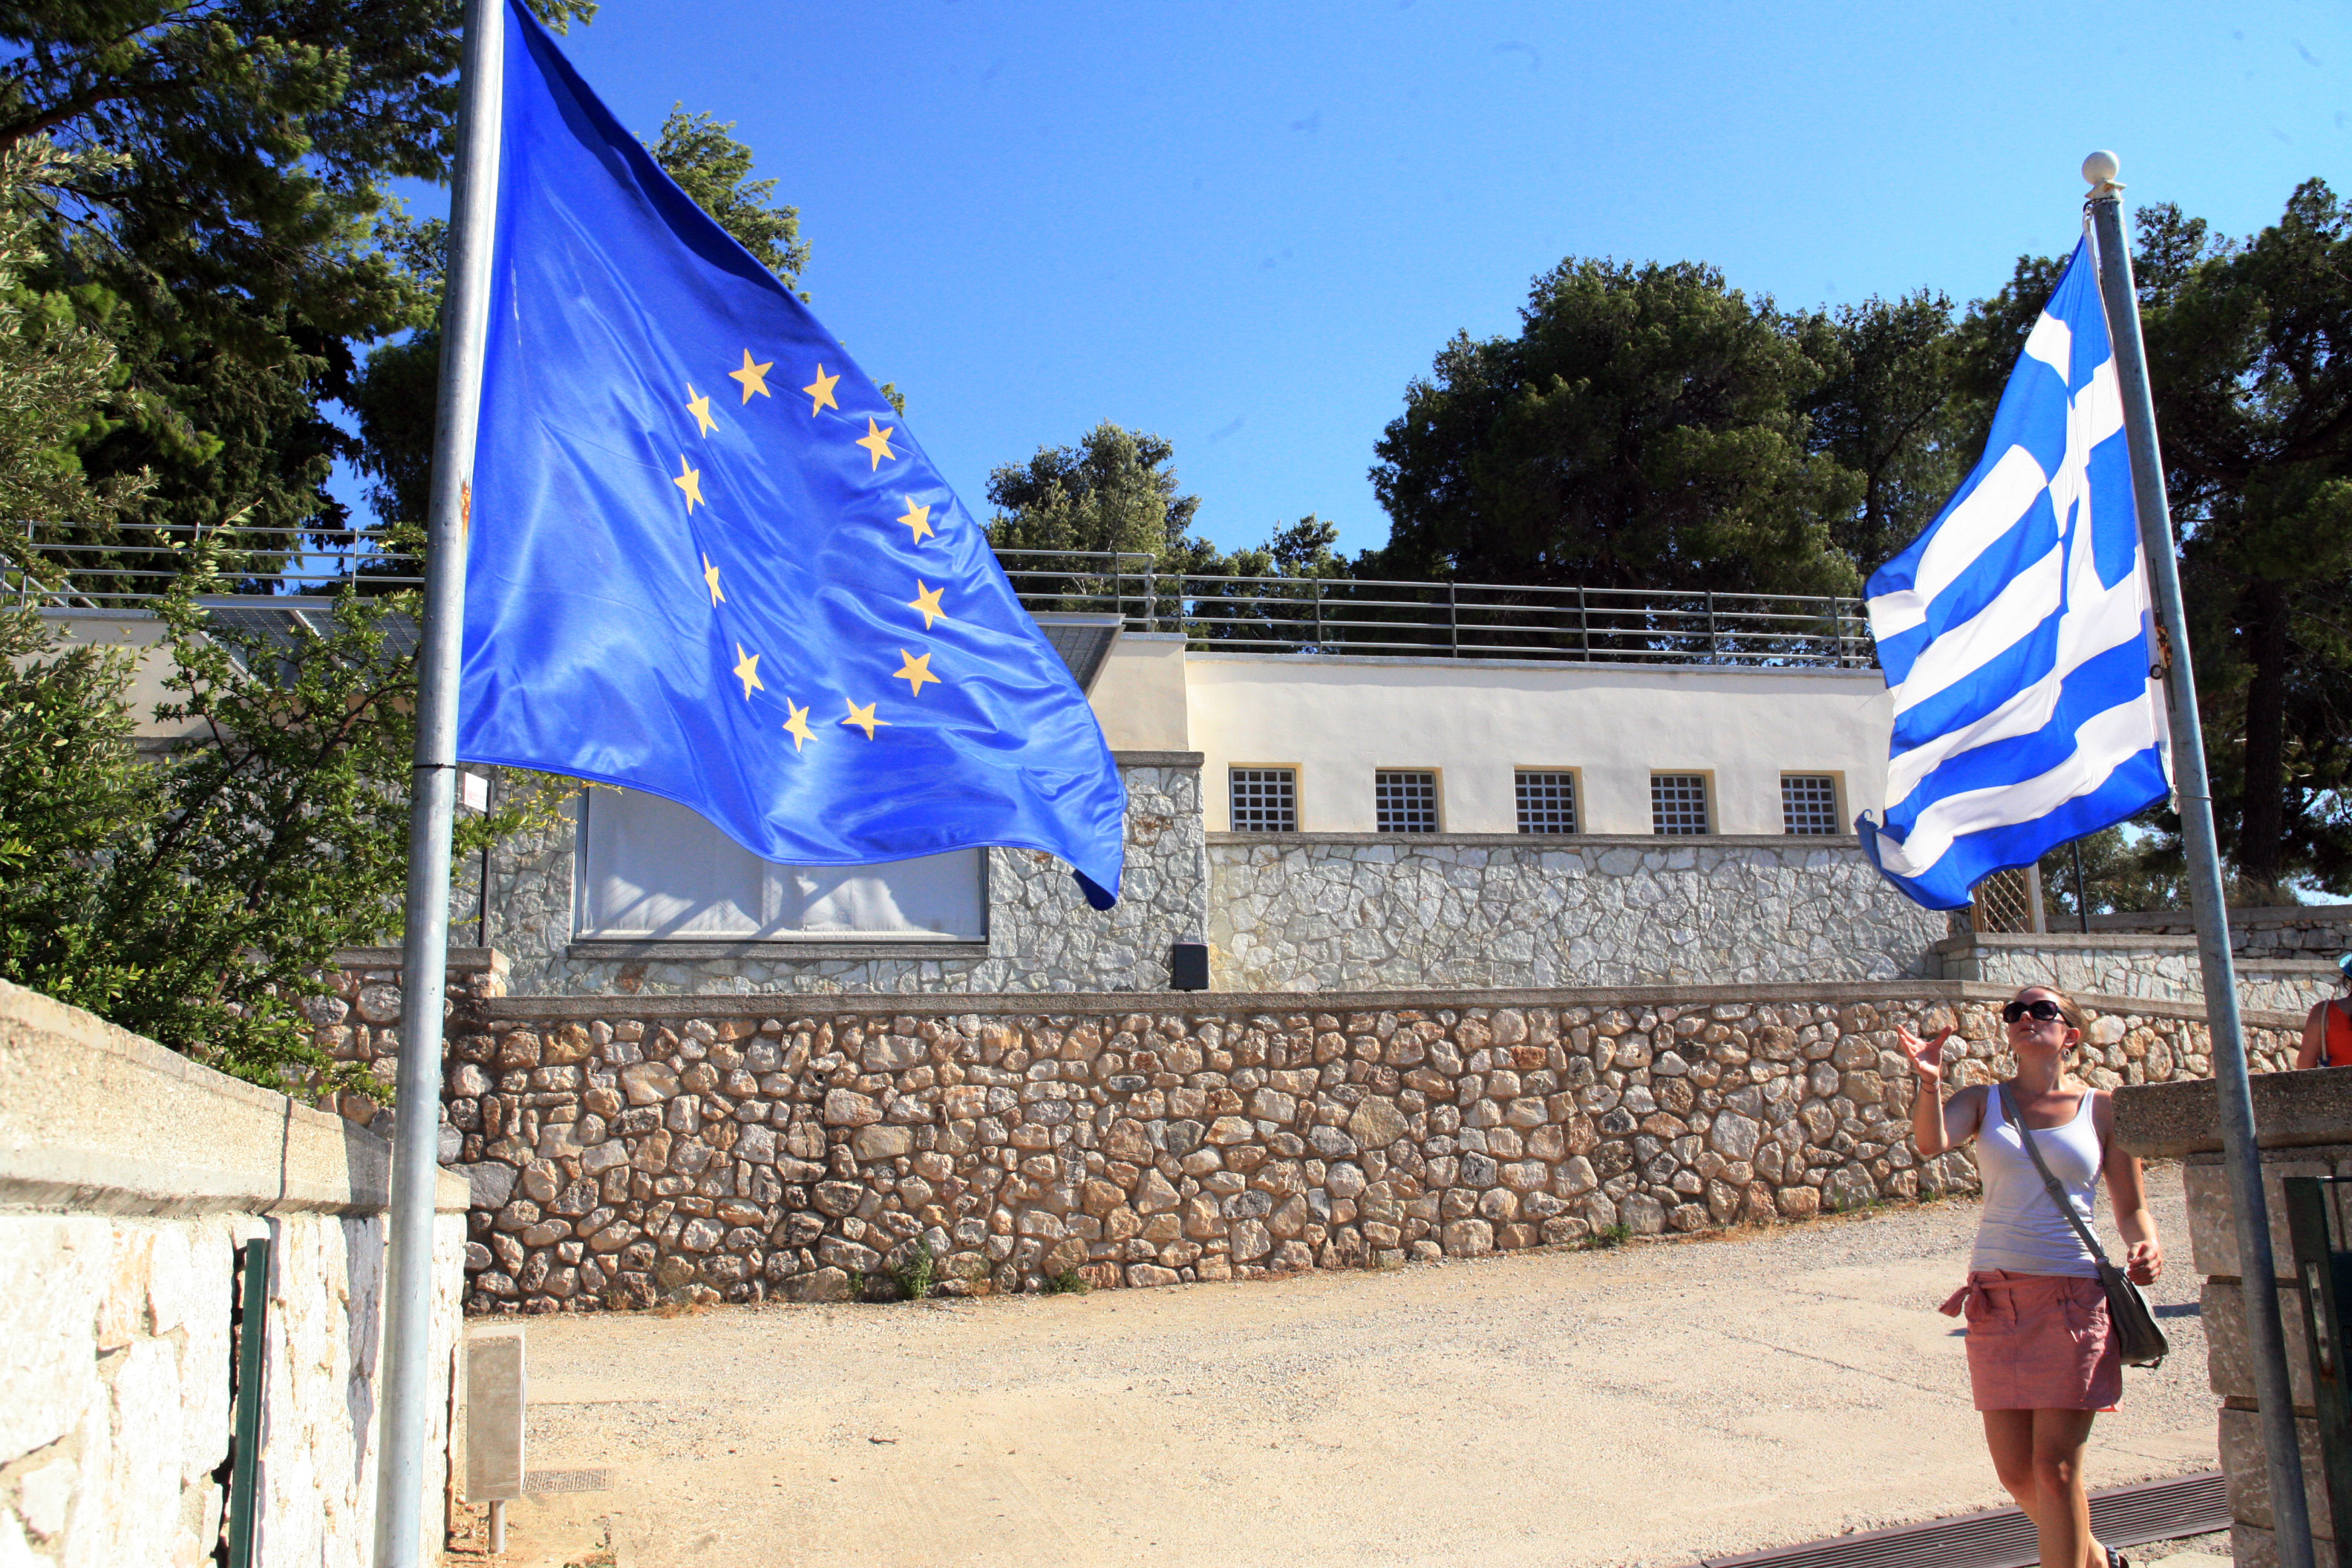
(2327,1030)
(2043,1358)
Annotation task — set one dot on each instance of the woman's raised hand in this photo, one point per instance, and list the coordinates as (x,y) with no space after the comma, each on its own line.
(1926,1056)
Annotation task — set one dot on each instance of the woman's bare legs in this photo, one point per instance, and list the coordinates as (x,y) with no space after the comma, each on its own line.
(2038,1454)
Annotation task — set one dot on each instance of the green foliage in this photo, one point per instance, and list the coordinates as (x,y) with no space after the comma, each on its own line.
(1886,412)
(915,1274)
(197,896)
(1645,430)
(224,244)
(1068,1282)
(2121,871)
(1606,1237)
(1115,491)
(1112,492)
(56,375)
(715,169)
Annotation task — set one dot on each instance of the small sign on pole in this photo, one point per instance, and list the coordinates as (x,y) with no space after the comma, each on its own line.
(494,1406)
(473,790)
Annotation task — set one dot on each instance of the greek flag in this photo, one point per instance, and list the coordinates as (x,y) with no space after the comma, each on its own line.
(2015,633)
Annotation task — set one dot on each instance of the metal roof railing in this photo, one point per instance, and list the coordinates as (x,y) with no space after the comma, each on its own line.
(1344,617)
(139,564)
(1325,617)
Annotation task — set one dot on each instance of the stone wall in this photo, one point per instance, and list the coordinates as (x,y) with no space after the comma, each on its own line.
(621,1150)
(1041,935)
(2119,964)
(1363,911)
(128,1178)
(2294,931)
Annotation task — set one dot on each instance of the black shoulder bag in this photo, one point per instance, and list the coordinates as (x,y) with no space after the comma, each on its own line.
(2137,1335)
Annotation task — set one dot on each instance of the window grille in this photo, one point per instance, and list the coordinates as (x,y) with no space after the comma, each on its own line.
(1266,800)
(1677,803)
(1405,802)
(1547,802)
(1809,803)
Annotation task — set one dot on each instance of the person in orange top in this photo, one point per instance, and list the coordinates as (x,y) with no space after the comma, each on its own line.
(2327,1033)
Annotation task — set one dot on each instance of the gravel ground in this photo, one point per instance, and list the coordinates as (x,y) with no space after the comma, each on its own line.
(1648,1405)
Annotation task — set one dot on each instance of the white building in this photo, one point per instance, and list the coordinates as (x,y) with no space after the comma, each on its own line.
(1321,820)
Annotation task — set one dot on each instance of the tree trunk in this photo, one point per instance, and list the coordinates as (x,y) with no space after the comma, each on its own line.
(2262,829)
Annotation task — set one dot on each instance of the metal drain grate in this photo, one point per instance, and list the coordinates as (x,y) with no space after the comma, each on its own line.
(2003,1538)
(567,1481)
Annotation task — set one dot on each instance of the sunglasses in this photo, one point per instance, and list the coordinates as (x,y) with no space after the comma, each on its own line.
(2043,1011)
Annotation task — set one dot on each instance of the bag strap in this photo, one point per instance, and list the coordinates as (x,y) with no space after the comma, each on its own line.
(2057,1193)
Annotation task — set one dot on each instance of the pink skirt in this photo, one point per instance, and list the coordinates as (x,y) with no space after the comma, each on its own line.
(2039,1341)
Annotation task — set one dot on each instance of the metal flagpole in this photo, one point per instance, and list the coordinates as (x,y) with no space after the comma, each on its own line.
(2290,1514)
(408,1381)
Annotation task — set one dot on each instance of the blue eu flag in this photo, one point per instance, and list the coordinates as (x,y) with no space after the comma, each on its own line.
(707,561)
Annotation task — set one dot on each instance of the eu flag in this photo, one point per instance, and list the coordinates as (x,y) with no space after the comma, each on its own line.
(707,561)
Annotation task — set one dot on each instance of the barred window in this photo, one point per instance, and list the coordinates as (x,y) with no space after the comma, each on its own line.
(1266,800)
(1547,802)
(1405,802)
(1677,803)
(1809,803)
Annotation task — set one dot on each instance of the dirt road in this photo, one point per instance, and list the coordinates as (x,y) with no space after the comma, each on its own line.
(1646,1405)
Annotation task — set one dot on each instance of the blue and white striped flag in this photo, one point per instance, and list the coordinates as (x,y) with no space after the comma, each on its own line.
(2016,634)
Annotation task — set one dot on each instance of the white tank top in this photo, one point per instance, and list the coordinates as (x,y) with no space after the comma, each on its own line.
(2021,1230)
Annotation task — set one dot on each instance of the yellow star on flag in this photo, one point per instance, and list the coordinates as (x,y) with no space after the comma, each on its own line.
(863,718)
(753,377)
(926,600)
(698,405)
(919,521)
(711,575)
(690,479)
(747,671)
(820,392)
(876,440)
(915,671)
(796,726)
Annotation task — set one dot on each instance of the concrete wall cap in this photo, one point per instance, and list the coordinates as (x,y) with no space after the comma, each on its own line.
(94,1119)
(2040,941)
(2279,914)
(2291,1110)
(788,1003)
(460,959)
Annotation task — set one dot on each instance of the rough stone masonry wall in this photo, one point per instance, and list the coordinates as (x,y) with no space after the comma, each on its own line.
(2114,965)
(623,1151)
(1041,935)
(2306,930)
(1360,912)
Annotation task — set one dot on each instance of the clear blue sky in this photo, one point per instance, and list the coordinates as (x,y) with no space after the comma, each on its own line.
(1248,226)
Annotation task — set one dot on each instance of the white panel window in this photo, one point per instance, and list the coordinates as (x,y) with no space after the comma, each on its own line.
(650,869)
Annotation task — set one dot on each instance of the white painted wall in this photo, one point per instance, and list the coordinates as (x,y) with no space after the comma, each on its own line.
(1138,696)
(1478,721)
(137,632)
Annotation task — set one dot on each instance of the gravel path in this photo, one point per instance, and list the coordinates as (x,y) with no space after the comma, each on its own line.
(1647,1406)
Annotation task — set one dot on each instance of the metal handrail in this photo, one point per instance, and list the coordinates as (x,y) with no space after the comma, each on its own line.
(1321,617)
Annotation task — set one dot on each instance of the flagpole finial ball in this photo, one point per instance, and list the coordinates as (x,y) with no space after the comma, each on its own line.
(2101,168)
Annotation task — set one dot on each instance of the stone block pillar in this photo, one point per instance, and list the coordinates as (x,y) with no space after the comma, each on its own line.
(2305,1128)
